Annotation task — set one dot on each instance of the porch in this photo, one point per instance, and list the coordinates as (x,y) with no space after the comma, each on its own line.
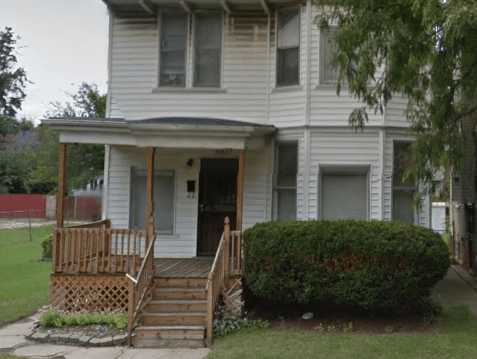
(117,264)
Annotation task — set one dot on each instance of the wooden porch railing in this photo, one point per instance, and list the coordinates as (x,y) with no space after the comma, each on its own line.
(227,262)
(96,248)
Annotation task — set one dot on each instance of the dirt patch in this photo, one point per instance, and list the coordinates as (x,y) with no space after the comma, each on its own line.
(336,320)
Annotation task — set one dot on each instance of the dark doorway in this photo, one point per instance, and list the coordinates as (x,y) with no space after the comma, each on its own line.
(217,198)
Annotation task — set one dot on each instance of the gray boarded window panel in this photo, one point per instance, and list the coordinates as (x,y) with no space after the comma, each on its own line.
(287,164)
(286,171)
(173,49)
(344,196)
(163,198)
(328,69)
(207,50)
(403,206)
(288,47)
(286,204)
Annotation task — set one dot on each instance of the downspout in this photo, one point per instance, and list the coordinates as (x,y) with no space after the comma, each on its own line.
(307,134)
(107,148)
(269,68)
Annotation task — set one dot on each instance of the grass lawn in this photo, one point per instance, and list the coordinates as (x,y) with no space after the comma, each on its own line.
(456,337)
(24,283)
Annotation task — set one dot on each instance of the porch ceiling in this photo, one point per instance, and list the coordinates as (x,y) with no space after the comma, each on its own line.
(165,132)
(129,8)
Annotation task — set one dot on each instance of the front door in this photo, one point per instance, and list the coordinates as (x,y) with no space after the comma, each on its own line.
(217,196)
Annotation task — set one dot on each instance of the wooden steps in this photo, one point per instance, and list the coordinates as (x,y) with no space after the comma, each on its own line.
(176,315)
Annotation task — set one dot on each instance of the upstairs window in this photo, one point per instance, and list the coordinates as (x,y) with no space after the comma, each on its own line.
(404,186)
(207,50)
(328,69)
(285,177)
(173,50)
(288,47)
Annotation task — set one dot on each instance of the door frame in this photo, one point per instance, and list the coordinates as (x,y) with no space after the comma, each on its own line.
(199,189)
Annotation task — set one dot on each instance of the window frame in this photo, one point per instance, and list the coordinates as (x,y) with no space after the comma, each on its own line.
(352,169)
(134,171)
(322,70)
(402,187)
(275,187)
(188,30)
(298,9)
(193,24)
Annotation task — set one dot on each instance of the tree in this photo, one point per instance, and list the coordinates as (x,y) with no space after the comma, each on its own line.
(423,49)
(85,162)
(13,78)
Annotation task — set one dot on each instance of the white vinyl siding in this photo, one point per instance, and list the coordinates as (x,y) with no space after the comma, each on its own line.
(344,195)
(182,243)
(328,69)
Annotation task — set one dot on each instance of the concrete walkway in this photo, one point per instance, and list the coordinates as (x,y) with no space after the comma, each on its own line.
(458,288)
(12,341)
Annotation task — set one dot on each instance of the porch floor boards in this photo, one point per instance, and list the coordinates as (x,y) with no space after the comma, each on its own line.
(198,267)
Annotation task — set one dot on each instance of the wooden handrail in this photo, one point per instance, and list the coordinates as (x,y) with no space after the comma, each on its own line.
(139,288)
(106,223)
(226,263)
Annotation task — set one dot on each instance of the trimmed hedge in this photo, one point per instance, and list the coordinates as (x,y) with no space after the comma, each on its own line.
(368,265)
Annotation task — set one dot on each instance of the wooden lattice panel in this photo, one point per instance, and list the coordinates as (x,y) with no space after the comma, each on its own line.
(75,293)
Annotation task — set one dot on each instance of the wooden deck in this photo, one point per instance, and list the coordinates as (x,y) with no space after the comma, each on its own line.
(197,267)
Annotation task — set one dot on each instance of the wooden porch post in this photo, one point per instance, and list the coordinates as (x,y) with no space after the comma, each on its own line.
(240,184)
(149,214)
(60,195)
(60,204)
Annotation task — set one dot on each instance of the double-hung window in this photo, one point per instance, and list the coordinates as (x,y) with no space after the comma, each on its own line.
(173,49)
(207,49)
(404,186)
(288,47)
(163,199)
(328,69)
(285,181)
(203,40)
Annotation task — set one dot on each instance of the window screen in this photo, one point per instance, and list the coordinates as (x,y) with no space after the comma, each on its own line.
(344,195)
(328,70)
(208,48)
(173,50)
(163,198)
(286,171)
(403,183)
(288,47)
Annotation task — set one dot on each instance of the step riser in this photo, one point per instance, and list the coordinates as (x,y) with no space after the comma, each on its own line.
(174,334)
(176,307)
(180,283)
(179,295)
(169,343)
(173,320)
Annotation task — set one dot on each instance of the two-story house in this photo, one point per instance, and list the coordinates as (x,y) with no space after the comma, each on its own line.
(221,108)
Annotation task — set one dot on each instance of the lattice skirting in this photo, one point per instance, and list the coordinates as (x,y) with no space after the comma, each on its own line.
(75,293)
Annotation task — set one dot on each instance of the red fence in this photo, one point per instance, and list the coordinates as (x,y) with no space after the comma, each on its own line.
(83,208)
(22,205)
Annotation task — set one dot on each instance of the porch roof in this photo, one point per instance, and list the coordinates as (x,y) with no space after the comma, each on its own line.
(166,132)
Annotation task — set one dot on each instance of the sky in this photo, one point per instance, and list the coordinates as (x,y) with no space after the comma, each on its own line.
(63,43)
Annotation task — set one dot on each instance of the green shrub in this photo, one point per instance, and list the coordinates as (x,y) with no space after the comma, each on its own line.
(368,265)
(54,319)
(46,246)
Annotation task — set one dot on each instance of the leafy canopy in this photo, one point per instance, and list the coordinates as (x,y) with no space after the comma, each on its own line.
(12,77)
(425,50)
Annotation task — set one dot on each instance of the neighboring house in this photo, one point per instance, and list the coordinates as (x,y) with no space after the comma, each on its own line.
(92,188)
(217,109)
